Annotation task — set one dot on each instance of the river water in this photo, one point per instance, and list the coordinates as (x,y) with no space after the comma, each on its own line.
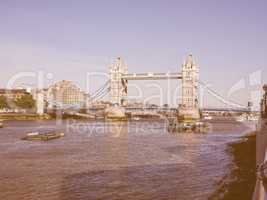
(120,160)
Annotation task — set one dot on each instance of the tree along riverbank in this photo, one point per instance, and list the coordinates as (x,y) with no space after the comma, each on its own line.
(16,116)
(32,117)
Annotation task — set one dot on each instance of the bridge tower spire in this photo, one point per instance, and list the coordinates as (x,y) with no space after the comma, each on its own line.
(118,86)
(190,102)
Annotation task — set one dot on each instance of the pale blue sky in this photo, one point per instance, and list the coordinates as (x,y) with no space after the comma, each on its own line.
(69,38)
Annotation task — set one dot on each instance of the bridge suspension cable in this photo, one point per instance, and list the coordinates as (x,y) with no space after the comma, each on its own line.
(99,90)
(221,98)
(100,95)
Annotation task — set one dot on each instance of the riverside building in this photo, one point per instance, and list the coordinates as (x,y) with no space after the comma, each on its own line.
(65,93)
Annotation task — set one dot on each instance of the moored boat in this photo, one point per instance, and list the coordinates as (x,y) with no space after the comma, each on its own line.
(43,135)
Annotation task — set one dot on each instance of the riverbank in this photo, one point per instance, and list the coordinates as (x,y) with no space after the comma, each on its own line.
(19,117)
(32,117)
(240,183)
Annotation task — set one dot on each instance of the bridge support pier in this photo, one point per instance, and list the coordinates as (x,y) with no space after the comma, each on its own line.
(118,86)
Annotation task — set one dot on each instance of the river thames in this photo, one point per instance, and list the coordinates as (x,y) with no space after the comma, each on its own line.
(123,160)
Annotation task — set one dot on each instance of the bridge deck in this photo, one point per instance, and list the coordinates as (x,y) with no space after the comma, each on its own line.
(152,76)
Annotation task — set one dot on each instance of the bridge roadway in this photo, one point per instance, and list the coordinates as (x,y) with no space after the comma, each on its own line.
(152,76)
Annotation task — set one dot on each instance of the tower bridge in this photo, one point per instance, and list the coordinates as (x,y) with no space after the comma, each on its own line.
(117,87)
(189,76)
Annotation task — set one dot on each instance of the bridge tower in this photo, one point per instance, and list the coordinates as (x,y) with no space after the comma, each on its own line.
(190,102)
(118,86)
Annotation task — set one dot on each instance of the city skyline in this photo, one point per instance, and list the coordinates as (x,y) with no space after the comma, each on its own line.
(150,36)
(133,99)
